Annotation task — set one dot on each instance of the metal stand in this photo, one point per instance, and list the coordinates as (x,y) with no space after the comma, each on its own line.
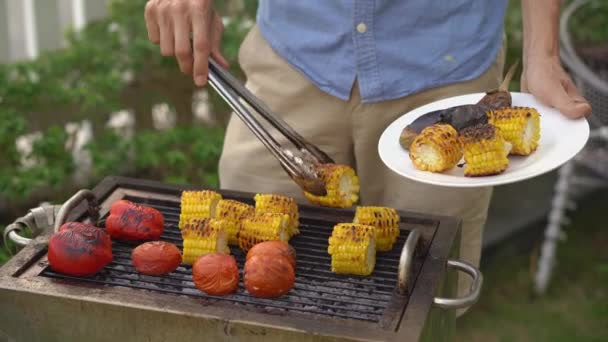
(593,158)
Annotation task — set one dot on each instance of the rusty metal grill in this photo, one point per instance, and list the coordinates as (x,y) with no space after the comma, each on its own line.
(317,290)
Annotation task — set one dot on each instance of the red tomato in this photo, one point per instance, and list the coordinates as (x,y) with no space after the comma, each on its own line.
(156,258)
(268,276)
(277,248)
(216,274)
(79,249)
(132,222)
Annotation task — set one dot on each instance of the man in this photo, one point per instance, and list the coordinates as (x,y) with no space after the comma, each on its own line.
(340,72)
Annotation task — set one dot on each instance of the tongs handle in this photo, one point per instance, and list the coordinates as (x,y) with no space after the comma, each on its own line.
(219,72)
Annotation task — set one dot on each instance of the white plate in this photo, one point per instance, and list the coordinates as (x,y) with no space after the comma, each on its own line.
(561,139)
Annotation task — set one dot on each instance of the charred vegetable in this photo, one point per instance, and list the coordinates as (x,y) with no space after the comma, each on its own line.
(276,248)
(518,125)
(197,205)
(232,212)
(436,149)
(485,150)
(216,274)
(204,236)
(342,186)
(385,220)
(268,276)
(263,227)
(156,258)
(461,117)
(353,249)
(132,222)
(274,203)
(79,249)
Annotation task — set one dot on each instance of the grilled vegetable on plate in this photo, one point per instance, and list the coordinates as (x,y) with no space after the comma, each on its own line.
(485,150)
(534,130)
(436,148)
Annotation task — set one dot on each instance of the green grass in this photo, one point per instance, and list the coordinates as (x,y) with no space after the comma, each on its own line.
(575,307)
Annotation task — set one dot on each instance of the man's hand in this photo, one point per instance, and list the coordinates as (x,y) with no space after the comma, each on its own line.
(546,80)
(170,24)
(543,75)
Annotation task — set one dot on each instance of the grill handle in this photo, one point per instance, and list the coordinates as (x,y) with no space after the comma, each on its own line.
(469,299)
(47,216)
(405,261)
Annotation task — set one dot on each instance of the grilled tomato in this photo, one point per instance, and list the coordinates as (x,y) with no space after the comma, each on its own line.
(216,274)
(79,249)
(133,222)
(276,248)
(268,276)
(156,258)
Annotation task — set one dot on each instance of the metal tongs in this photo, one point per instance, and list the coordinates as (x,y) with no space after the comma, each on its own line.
(300,165)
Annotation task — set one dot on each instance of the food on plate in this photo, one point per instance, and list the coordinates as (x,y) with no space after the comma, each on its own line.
(353,249)
(197,205)
(274,203)
(436,149)
(276,248)
(385,220)
(132,222)
(520,126)
(79,249)
(268,276)
(204,236)
(156,258)
(463,116)
(262,227)
(233,212)
(485,150)
(216,274)
(341,184)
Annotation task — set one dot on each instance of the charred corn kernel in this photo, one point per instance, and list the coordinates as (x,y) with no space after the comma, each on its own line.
(385,220)
(203,236)
(197,205)
(341,184)
(233,212)
(436,148)
(518,125)
(353,249)
(262,227)
(485,150)
(273,203)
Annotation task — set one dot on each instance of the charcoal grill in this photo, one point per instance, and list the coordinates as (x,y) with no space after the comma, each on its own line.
(409,296)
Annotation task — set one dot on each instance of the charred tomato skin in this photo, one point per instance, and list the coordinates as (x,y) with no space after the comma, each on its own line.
(156,258)
(79,249)
(133,222)
(268,276)
(276,248)
(216,274)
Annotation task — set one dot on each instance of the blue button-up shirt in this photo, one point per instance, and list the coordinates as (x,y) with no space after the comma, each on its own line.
(393,48)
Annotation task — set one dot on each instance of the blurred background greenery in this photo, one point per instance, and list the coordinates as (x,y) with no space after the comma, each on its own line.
(110,66)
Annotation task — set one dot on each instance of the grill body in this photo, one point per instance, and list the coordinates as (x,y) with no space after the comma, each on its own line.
(119,303)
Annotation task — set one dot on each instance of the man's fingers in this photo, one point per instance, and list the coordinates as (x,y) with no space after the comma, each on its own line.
(183,51)
(166,30)
(201,43)
(151,22)
(216,40)
(559,98)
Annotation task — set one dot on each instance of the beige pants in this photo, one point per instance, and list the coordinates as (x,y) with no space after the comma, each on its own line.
(349,133)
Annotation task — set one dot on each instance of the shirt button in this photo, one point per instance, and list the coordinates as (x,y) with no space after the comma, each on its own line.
(362,28)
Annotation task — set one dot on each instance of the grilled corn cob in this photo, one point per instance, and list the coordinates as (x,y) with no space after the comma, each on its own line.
(436,148)
(353,249)
(203,236)
(233,212)
(385,220)
(262,227)
(485,150)
(341,184)
(518,125)
(279,204)
(197,205)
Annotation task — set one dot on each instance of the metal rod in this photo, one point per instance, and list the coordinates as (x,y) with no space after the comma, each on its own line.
(293,136)
(405,261)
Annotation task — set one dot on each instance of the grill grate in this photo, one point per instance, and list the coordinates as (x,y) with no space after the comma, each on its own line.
(317,290)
